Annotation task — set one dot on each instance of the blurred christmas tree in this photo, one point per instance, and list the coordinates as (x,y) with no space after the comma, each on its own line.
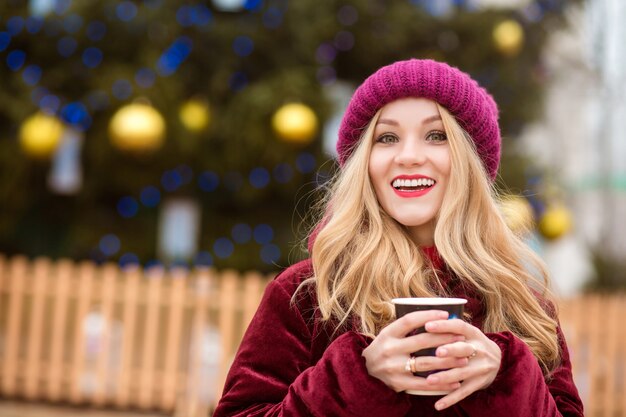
(113,112)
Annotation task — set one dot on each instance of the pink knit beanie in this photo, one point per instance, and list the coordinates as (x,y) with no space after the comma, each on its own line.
(471,105)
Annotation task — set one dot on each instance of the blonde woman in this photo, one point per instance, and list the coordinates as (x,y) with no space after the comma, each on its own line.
(410,213)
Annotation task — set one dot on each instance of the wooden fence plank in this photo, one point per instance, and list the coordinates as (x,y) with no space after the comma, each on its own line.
(107,300)
(41,276)
(59,316)
(84,296)
(226,323)
(172,347)
(193,404)
(131,287)
(574,322)
(621,358)
(253,290)
(150,340)
(594,333)
(610,312)
(16,276)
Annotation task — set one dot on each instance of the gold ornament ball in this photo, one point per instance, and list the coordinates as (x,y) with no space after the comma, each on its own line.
(555,222)
(508,37)
(517,212)
(137,128)
(295,123)
(40,135)
(195,115)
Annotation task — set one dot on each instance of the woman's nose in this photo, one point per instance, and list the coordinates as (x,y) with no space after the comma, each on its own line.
(410,153)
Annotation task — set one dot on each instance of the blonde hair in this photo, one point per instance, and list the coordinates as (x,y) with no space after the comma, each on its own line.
(362,258)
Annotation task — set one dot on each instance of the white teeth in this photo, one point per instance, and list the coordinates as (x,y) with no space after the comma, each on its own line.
(422,182)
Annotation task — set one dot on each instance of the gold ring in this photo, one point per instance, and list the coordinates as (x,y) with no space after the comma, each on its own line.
(410,365)
(474,352)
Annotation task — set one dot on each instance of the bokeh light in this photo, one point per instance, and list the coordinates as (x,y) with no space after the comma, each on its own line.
(128,259)
(66,46)
(76,114)
(96,30)
(241,233)
(122,89)
(34,24)
(347,15)
(150,196)
(238,81)
(223,247)
(203,258)
(72,23)
(259,177)
(283,173)
(126,11)
(5,40)
(208,181)
(243,46)
(272,18)
(145,77)
(92,57)
(171,180)
(127,207)
(109,244)
(305,162)
(49,103)
(270,254)
(15,59)
(174,56)
(32,74)
(263,234)
(15,25)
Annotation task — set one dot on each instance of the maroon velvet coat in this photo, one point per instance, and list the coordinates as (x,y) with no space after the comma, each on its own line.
(288,364)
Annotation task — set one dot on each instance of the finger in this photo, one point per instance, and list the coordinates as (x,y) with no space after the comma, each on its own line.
(415,383)
(465,389)
(432,363)
(409,322)
(457,374)
(425,341)
(457,326)
(458,350)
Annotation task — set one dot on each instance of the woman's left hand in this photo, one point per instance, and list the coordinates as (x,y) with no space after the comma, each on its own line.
(484,357)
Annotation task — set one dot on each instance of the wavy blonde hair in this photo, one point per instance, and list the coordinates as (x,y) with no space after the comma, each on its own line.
(362,258)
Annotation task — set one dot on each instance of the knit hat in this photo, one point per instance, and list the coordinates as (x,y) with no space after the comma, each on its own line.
(471,105)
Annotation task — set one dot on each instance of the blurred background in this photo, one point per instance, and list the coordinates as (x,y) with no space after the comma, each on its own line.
(187,141)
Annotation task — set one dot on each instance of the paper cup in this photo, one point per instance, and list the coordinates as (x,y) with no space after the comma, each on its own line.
(454,306)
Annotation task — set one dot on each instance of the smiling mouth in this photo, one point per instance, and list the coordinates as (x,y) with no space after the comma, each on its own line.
(409,185)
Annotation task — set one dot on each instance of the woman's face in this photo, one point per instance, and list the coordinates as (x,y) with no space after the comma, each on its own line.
(409,164)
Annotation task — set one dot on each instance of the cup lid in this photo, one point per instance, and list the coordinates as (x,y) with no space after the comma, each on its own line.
(431,301)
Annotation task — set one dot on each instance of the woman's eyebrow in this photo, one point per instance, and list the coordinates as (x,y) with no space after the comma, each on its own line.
(387,122)
(431,119)
(392,122)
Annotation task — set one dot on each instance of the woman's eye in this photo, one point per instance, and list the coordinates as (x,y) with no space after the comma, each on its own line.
(386,138)
(437,137)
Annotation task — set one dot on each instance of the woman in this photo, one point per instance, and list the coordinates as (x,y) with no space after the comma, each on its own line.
(411,213)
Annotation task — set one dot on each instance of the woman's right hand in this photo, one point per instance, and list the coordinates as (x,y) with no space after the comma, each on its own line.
(387,355)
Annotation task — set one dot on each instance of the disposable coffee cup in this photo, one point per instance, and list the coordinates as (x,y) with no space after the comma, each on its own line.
(454,307)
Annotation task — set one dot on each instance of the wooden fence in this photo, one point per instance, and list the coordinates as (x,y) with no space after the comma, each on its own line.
(101,336)
(163,340)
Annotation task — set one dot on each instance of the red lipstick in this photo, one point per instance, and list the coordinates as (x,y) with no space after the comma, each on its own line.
(411,186)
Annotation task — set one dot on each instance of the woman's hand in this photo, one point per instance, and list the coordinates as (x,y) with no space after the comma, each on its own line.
(387,355)
(483,360)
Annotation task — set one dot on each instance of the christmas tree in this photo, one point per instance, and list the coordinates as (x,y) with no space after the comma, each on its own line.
(111,111)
